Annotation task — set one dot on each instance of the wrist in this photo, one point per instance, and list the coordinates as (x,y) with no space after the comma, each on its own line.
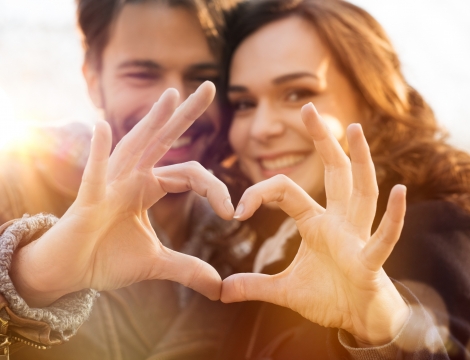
(387,321)
(28,280)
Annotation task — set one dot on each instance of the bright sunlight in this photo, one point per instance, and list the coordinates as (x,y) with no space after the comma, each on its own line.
(13,132)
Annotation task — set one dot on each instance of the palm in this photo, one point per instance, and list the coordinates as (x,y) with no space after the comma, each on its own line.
(118,262)
(336,278)
(323,273)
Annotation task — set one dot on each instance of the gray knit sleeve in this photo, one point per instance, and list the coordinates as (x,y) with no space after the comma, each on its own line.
(65,315)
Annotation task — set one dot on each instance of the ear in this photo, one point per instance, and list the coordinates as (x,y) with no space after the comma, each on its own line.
(93,79)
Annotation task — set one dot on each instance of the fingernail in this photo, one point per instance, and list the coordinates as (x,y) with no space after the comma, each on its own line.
(228,205)
(355,125)
(405,189)
(239,212)
(307,106)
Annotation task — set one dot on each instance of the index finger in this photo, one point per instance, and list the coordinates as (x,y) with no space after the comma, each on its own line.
(338,178)
(182,119)
(193,176)
(290,197)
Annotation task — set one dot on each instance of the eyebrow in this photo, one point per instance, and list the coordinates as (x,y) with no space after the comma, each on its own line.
(148,64)
(293,76)
(204,66)
(153,65)
(279,80)
(237,88)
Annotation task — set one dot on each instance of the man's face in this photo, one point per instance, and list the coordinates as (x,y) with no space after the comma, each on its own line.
(151,48)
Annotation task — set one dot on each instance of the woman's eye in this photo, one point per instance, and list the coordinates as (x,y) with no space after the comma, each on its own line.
(298,95)
(242,105)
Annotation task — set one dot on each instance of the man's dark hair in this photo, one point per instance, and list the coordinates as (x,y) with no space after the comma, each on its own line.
(95,18)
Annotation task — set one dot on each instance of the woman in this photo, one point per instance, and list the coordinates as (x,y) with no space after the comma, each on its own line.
(281,55)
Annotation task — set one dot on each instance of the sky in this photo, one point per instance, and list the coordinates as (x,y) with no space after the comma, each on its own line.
(41,57)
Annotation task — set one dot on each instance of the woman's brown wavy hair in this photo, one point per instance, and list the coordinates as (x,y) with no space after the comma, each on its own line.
(406,143)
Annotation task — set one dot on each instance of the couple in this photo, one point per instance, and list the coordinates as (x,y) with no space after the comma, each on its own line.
(279,55)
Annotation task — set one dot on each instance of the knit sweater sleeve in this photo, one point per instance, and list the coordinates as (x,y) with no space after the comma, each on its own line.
(64,316)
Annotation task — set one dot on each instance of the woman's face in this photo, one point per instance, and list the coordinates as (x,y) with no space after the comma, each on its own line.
(274,72)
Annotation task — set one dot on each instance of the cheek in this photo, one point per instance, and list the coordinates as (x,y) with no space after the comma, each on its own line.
(127,102)
(213,114)
(238,136)
(336,126)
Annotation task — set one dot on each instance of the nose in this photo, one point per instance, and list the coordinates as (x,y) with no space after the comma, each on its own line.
(175,81)
(267,123)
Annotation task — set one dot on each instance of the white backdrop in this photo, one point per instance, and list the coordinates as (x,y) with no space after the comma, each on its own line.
(40,59)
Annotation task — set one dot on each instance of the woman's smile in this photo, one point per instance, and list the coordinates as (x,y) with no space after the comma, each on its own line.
(281,163)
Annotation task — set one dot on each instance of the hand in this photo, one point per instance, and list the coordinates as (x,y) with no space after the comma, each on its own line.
(105,240)
(336,278)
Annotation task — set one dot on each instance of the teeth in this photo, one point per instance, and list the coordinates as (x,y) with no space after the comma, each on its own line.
(182,142)
(282,162)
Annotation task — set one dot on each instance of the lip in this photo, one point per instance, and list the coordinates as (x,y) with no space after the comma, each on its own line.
(267,173)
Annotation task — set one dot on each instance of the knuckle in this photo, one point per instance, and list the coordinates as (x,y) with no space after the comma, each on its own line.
(367,192)
(195,275)
(194,167)
(240,286)
(282,180)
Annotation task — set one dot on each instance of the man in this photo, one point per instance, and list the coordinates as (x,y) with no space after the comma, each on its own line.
(134,50)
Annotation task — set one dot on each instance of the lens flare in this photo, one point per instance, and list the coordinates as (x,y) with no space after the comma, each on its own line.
(13,132)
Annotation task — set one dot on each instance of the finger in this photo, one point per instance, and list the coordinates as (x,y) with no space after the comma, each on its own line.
(190,272)
(290,197)
(184,116)
(130,149)
(93,186)
(193,176)
(252,287)
(380,246)
(363,201)
(338,178)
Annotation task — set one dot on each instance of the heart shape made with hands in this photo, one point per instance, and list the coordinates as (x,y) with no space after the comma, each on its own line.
(105,240)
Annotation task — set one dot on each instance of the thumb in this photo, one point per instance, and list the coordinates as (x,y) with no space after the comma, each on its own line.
(190,272)
(244,287)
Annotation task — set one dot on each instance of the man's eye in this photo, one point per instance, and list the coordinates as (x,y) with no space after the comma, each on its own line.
(201,79)
(143,76)
(299,95)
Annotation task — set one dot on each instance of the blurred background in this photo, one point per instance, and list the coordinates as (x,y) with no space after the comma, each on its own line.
(41,56)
